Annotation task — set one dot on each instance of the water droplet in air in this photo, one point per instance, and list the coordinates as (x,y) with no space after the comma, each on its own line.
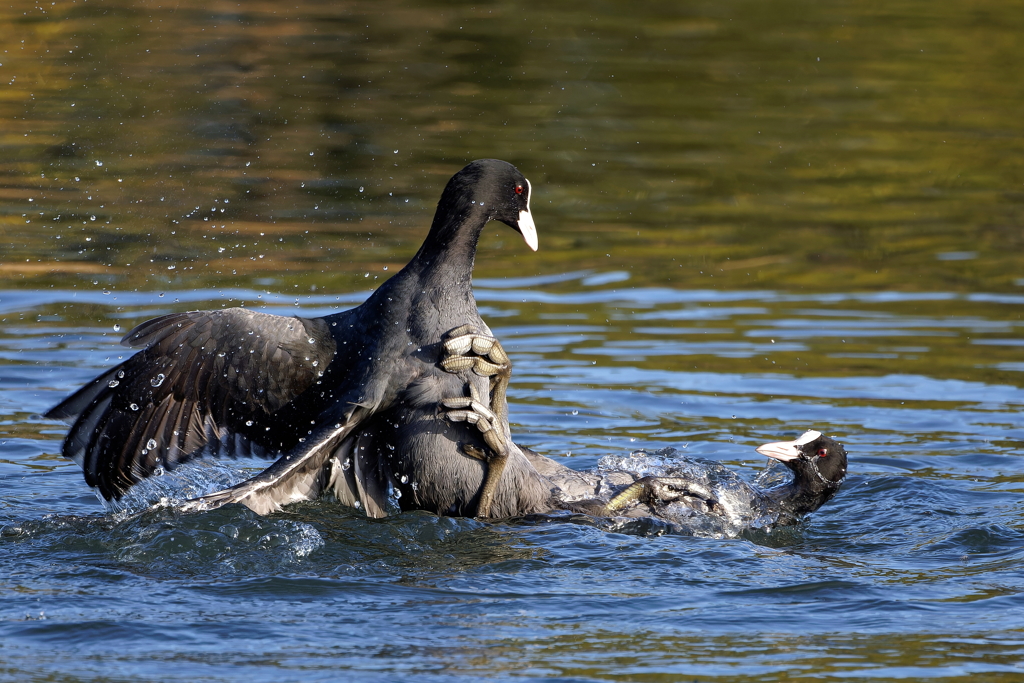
(158,380)
(248,423)
(405,479)
(151,444)
(117,328)
(575,412)
(134,406)
(112,383)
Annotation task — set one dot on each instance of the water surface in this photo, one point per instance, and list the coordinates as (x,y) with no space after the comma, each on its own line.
(754,220)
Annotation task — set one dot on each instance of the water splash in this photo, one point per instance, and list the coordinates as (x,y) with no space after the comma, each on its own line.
(738,506)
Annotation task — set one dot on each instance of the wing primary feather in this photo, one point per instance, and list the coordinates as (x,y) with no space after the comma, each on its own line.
(152,331)
(372,491)
(170,437)
(343,478)
(292,477)
(78,402)
(202,379)
(80,437)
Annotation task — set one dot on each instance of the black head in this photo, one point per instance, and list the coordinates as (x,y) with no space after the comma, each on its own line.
(494,189)
(818,463)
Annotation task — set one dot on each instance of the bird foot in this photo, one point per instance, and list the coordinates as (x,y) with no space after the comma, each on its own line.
(659,491)
(466,347)
(471,409)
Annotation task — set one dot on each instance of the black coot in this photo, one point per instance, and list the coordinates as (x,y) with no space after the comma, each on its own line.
(699,496)
(346,403)
(686,485)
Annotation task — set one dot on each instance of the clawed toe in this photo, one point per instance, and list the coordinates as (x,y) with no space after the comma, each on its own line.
(467,347)
(458,363)
(477,411)
(471,409)
(474,452)
(659,491)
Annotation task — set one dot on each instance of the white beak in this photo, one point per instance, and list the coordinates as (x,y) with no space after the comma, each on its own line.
(788,450)
(526,225)
(528,229)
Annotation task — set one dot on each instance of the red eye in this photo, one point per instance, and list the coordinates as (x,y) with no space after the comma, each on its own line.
(519,189)
(822,452)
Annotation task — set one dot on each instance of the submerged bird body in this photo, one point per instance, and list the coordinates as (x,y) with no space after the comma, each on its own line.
(700,495)
(322,395)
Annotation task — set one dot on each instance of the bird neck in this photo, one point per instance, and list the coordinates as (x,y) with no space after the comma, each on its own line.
(802,495)
(449,251)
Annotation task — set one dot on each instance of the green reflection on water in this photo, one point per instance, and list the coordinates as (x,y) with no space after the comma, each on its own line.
(796,146)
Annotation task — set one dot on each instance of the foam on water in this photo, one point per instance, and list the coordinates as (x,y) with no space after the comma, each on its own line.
(170,488)
(739,507)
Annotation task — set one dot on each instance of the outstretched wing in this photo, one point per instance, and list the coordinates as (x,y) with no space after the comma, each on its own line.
(299,475)
(205,383)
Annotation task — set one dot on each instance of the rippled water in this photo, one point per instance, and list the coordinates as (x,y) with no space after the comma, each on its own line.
(754,220)
(912,571)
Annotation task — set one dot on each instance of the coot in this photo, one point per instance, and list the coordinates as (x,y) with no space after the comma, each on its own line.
(346,403)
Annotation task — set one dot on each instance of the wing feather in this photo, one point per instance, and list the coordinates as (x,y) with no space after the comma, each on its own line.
(372,489)
(342,480)
(300,475)
(201,384)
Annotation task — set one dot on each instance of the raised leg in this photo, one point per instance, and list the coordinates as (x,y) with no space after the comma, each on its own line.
(659,490)
(472,410)
(467,348)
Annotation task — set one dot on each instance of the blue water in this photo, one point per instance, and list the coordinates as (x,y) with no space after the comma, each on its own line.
(754,219)
(913,572)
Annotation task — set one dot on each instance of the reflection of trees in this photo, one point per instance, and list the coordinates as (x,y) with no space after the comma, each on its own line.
(716,133)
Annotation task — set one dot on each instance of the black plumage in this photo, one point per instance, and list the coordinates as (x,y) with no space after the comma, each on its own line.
(818,464)
(347,403)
